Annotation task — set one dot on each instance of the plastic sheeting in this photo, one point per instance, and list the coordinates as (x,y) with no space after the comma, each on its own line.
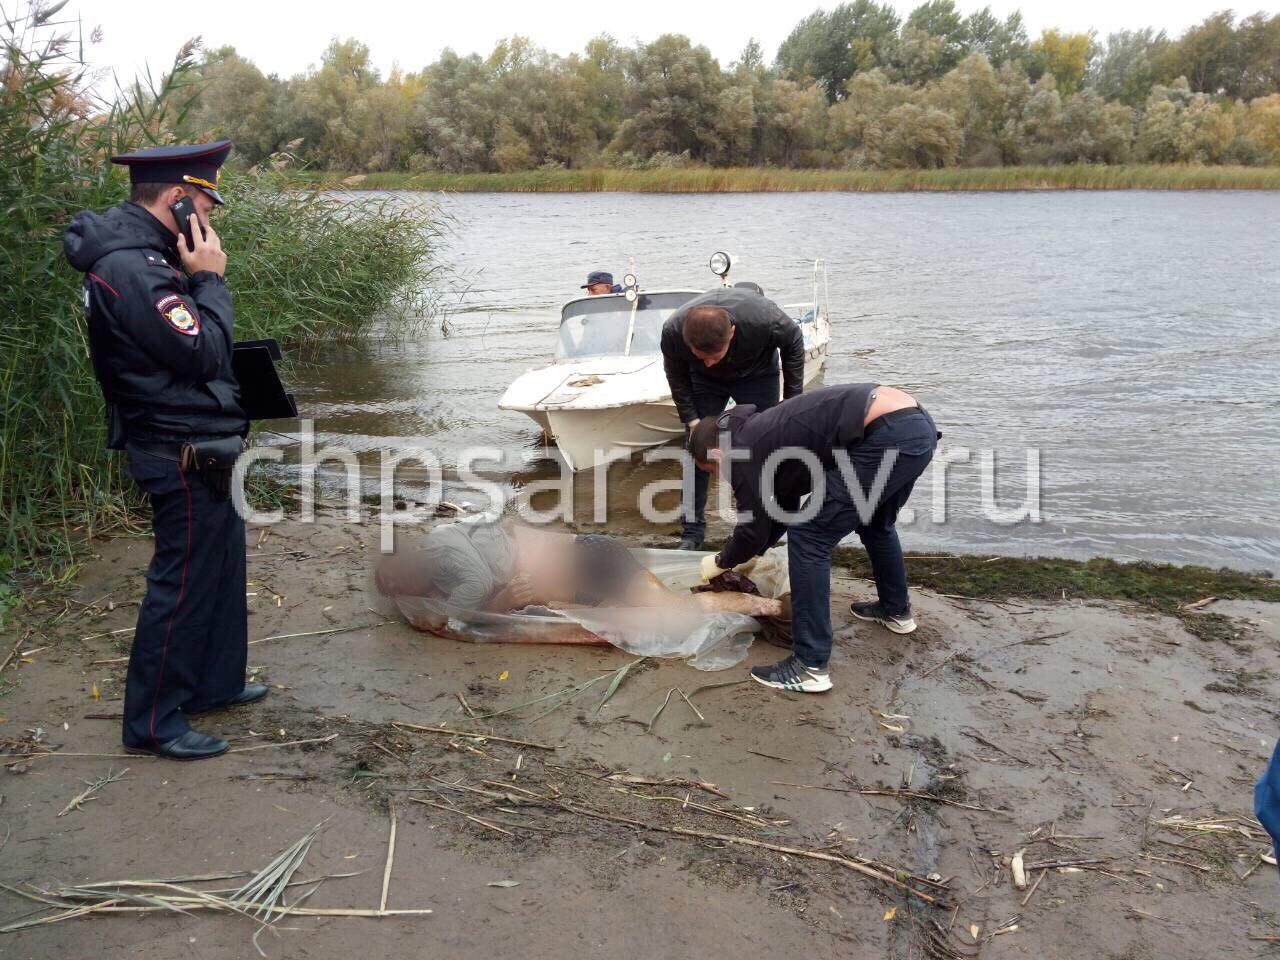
(708,640)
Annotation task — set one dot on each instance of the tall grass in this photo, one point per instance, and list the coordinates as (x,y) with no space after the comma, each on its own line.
(303,266)
(771,180)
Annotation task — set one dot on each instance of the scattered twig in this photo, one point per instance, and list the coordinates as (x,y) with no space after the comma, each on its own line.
(974,735)
(770,756)
(391,856)
(749,842)
(288,743)
(323,633)
(450,732)
(12,653)
(86,795)
(462,813)
(1079,862)
(1033,887)
(696,711)
(941,663)
(466,706)
(1180,863)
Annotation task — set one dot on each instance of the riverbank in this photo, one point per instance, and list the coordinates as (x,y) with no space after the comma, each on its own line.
(772,180)
(1078,730)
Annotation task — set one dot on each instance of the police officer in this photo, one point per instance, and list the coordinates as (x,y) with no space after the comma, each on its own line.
(160,337)
(726,345)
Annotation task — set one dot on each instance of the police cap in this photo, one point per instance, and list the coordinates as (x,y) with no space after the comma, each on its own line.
(194,165)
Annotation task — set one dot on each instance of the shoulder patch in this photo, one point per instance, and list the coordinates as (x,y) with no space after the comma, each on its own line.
(178,315)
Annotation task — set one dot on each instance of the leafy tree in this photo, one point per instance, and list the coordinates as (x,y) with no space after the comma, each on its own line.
(456,116)
(1065,57)
(921,137)
(1208,55)
(344,112)
(235,100)
(1128,65)
(1258,37)
(1094,131)
(968,94)
(797,120)
(857,124)
(1179,126)
(832,46)
(941,21)
(672,91)
(1000,41)
(1262,125)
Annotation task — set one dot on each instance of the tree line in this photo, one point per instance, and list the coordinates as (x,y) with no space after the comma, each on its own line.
(853,87)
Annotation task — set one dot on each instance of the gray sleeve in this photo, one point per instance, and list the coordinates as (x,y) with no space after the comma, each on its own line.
(458,569)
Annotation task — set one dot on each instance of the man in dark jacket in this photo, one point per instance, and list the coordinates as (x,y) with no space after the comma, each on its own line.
(726,345)
(858,449)
(160,336)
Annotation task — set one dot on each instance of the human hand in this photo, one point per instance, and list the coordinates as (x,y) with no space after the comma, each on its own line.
(207,255)
(521,591)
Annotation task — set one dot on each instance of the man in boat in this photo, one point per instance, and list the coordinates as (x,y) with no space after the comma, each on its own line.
(483,563)
(727,345)
(859,449)
(599,283)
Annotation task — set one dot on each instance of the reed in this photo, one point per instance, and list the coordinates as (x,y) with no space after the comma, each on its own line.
(305,267)
(774,180)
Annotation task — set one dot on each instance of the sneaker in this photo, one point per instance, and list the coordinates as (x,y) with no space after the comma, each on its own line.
(691,543)
(791,674)
(871,610)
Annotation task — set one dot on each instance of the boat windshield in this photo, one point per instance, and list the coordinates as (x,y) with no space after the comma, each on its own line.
(601,326)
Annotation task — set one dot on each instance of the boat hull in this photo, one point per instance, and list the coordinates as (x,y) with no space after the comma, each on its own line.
(589,437)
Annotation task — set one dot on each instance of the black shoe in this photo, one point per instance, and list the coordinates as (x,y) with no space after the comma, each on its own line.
(792,674)
(871,610)
(251,693)
(192,745)
(690,543)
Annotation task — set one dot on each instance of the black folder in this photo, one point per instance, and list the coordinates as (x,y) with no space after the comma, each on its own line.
(262,395)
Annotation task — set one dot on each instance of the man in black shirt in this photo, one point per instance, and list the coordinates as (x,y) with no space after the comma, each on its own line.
(726,345)
(858,449)
(160,338)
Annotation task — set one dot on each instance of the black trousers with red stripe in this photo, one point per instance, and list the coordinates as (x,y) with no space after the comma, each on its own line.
(191,644)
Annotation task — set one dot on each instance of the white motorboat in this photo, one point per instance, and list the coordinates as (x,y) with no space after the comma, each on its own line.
(605,395)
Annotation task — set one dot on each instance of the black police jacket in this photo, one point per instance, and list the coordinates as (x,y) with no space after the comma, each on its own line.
(822,421)
(160,340)
(760,328)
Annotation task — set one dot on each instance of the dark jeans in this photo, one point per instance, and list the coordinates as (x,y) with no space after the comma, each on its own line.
(191,643)
(710,397)
(809,544)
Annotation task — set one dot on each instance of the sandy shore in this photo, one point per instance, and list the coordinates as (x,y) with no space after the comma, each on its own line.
(1070,730)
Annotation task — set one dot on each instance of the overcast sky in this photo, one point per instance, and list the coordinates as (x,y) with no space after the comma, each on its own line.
(286,36)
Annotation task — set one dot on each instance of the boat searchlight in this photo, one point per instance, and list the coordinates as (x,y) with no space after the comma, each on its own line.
(720,264)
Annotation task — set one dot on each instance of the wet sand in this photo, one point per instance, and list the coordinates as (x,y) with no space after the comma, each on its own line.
(1069,730)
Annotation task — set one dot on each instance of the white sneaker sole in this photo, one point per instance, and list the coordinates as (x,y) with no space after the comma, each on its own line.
(900,627)
(809,686)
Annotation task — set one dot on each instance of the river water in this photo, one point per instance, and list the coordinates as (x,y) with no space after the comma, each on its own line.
(1131,338)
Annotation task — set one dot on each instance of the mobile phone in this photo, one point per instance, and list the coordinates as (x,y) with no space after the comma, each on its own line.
(182,211)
